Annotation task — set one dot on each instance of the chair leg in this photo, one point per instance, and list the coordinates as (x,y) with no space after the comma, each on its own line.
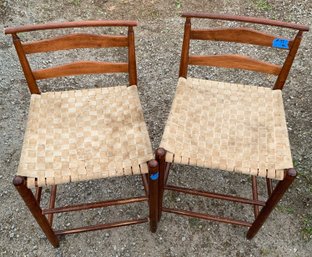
(277,194)
(160,157)
(153,175)
(30,200)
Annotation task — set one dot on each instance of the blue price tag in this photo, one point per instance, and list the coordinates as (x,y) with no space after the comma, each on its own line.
(154,176)
(280,43)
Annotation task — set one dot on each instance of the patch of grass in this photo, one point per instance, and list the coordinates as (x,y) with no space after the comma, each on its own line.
(265,252)
(286,209)
(178,4)
(76,2)
(307,227)
(264,5)
(194,223)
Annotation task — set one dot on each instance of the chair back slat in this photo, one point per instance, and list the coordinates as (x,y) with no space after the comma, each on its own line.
(238,35)
(235,61)
(79,68)
(74,41)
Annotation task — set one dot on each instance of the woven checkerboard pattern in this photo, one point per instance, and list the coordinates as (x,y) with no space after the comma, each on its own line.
(228,126)
(84,134)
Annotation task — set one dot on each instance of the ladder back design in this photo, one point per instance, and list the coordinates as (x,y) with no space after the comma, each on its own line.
(74,41)
(240,35)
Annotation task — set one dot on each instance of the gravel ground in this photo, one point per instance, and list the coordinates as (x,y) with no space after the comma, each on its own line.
(287,232)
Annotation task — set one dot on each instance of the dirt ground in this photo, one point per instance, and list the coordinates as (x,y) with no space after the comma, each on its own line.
(288,231)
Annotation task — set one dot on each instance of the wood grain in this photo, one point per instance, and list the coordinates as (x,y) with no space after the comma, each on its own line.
(72,24)
(74,41)
(245,19)
(235,61)
(238,35)
(78,68)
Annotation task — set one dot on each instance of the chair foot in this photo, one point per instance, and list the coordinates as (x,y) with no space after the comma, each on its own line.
(277,194)
(153,178)
(30,200)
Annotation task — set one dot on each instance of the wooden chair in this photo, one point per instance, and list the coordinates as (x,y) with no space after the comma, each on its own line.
(80,135)
(232,127)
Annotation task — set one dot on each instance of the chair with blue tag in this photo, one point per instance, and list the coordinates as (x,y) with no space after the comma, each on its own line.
(232,127)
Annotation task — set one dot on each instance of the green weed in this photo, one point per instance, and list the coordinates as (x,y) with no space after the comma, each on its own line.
(264,5)
(307,227)
(286,209)
(178,4)
(194,223)
(76,2)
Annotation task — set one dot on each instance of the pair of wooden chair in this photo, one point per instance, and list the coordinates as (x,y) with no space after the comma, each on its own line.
(88,134)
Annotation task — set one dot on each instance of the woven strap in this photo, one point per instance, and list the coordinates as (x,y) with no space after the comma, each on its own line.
(228,126)
(84,134)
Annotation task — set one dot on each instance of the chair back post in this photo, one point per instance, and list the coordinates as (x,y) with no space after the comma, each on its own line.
(185,49)
(31,82)
(131,58)
(281,79)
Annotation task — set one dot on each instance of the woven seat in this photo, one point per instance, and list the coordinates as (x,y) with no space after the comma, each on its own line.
(228,126)
(84,134)
(231,127)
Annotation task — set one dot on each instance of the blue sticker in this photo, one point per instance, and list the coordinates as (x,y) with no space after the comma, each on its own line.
(155,176)
(280,43)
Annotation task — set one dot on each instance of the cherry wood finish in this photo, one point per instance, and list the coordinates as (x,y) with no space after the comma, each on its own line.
(79,68)
(52,203)
(153,180)
(38,194)
(255,194)
(100,227)
(207,217)
(31,81)
(44,217)
(75,41)
(247,19)
(28,197)
(235,61)
(280,82)
(214,195)
(86,206)
(185,49)
(273,200)
(131,58)
(160,157)
(71,24)
(269,186)
(238,35)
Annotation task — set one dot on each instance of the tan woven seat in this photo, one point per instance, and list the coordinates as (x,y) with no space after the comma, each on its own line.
(84,134)
(87,134)
(228,126)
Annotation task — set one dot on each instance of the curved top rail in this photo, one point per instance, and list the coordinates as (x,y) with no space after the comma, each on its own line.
(71,24)
(245,19)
